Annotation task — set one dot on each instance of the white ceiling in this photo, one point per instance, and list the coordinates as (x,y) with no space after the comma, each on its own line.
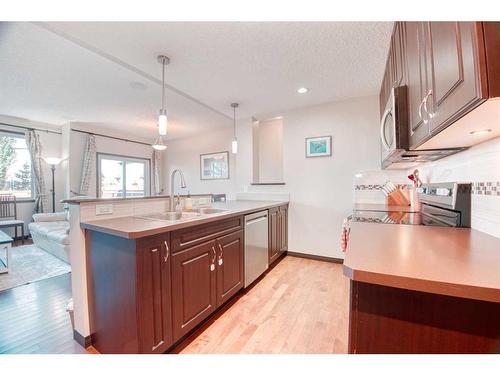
(55,72)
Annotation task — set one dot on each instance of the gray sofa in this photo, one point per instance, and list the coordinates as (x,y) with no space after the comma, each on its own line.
(50,232)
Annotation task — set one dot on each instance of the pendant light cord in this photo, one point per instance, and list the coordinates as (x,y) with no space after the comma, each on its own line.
(234,121)
(163,85)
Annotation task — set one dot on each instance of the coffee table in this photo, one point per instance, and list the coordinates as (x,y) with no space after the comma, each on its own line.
(5,245)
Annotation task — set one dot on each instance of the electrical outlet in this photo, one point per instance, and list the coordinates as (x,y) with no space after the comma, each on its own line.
(103,209)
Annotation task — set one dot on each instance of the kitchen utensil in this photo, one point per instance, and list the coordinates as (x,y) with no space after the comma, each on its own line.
(416,174)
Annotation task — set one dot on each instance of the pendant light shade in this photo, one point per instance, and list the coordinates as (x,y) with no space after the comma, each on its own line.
(234,143)
(159,145)
(162,122)
(162,118)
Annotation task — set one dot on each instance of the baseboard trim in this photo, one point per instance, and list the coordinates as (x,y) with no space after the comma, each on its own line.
(84,341)
(316,257)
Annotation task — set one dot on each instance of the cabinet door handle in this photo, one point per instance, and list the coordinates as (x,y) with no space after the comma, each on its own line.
(215,254)
(221,251)
(420,109)
(430,115)
(168,251)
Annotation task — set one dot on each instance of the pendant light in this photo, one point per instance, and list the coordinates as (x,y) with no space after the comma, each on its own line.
(162,118)
(234,143)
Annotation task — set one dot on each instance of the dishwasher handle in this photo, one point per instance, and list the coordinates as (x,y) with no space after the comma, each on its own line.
(256,220)
(256,217)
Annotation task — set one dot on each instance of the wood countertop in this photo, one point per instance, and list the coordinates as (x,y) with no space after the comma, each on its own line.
(133,227)
(459,262)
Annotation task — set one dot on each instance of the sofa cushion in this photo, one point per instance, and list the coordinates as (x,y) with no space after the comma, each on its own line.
(46,227)
(49,217)
(59,236)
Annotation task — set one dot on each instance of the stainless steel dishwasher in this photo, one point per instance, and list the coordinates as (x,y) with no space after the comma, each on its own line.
(256,246)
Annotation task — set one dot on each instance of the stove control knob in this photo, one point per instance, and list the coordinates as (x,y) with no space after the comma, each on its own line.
(443,192)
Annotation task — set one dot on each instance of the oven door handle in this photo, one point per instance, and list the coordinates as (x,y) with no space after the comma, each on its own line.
(382,128)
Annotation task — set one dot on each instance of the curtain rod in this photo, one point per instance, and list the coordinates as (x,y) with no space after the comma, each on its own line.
(111,137)
(28,128)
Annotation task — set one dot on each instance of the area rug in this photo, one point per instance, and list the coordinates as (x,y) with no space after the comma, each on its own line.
(29,263)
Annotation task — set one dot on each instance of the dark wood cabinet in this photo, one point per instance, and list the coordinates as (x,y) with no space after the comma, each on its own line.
(206,275)
(273,234)
(416,63)
(155,294)
(149,293)
(278,232)
(446,67)
(395,68)
(283,229)
(455,85)
(194,294)
(229,264)
(386,320)
(130,300)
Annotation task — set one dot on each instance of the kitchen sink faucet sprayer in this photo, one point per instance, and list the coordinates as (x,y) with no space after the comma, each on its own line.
(172,180)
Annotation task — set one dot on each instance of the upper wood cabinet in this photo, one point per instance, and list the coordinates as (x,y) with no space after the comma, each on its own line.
(416,79)
(454,69)
(447,69)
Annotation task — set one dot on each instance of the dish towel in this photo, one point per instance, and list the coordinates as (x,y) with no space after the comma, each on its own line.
(344,237)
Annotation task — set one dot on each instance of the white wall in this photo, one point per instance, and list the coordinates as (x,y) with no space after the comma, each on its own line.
(480,163)
(269,138)
(185,154)
(321,189)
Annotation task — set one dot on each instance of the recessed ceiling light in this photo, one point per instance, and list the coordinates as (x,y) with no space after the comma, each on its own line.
(479,132)
(302,90)
(138,85)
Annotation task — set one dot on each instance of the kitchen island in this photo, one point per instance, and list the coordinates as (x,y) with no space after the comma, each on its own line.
(423,289)
(152,282)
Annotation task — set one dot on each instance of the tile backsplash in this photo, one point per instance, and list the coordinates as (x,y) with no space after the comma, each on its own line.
(479,165)
(368,185)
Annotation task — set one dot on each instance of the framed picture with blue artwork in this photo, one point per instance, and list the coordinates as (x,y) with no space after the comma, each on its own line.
(319,146)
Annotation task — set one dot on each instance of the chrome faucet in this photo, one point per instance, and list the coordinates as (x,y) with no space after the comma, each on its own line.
(172,180)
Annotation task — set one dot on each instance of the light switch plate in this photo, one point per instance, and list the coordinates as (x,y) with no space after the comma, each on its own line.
(103,209)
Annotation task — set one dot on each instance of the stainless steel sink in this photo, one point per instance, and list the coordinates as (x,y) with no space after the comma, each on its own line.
(172,216)
(208,210)
(183,215)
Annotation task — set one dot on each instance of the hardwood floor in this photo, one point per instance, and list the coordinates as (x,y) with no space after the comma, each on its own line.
(301,306)
(33,318)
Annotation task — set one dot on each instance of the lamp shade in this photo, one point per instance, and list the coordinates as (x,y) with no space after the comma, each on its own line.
(53,160)
(162,123)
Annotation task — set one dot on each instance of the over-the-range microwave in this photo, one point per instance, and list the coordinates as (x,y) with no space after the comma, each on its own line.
(394,135)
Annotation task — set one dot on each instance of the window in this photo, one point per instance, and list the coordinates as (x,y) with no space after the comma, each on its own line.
(15,166)
(122,176)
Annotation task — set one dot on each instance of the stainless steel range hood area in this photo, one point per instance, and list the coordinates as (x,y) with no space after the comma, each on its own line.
(404,159)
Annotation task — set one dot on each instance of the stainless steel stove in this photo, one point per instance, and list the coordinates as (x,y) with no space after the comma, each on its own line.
(442,204)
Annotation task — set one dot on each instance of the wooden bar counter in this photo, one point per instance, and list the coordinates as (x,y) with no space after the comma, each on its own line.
(422,289)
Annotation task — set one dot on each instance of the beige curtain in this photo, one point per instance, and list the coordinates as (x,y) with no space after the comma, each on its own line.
(155,166)
(88,165)
(35,150)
